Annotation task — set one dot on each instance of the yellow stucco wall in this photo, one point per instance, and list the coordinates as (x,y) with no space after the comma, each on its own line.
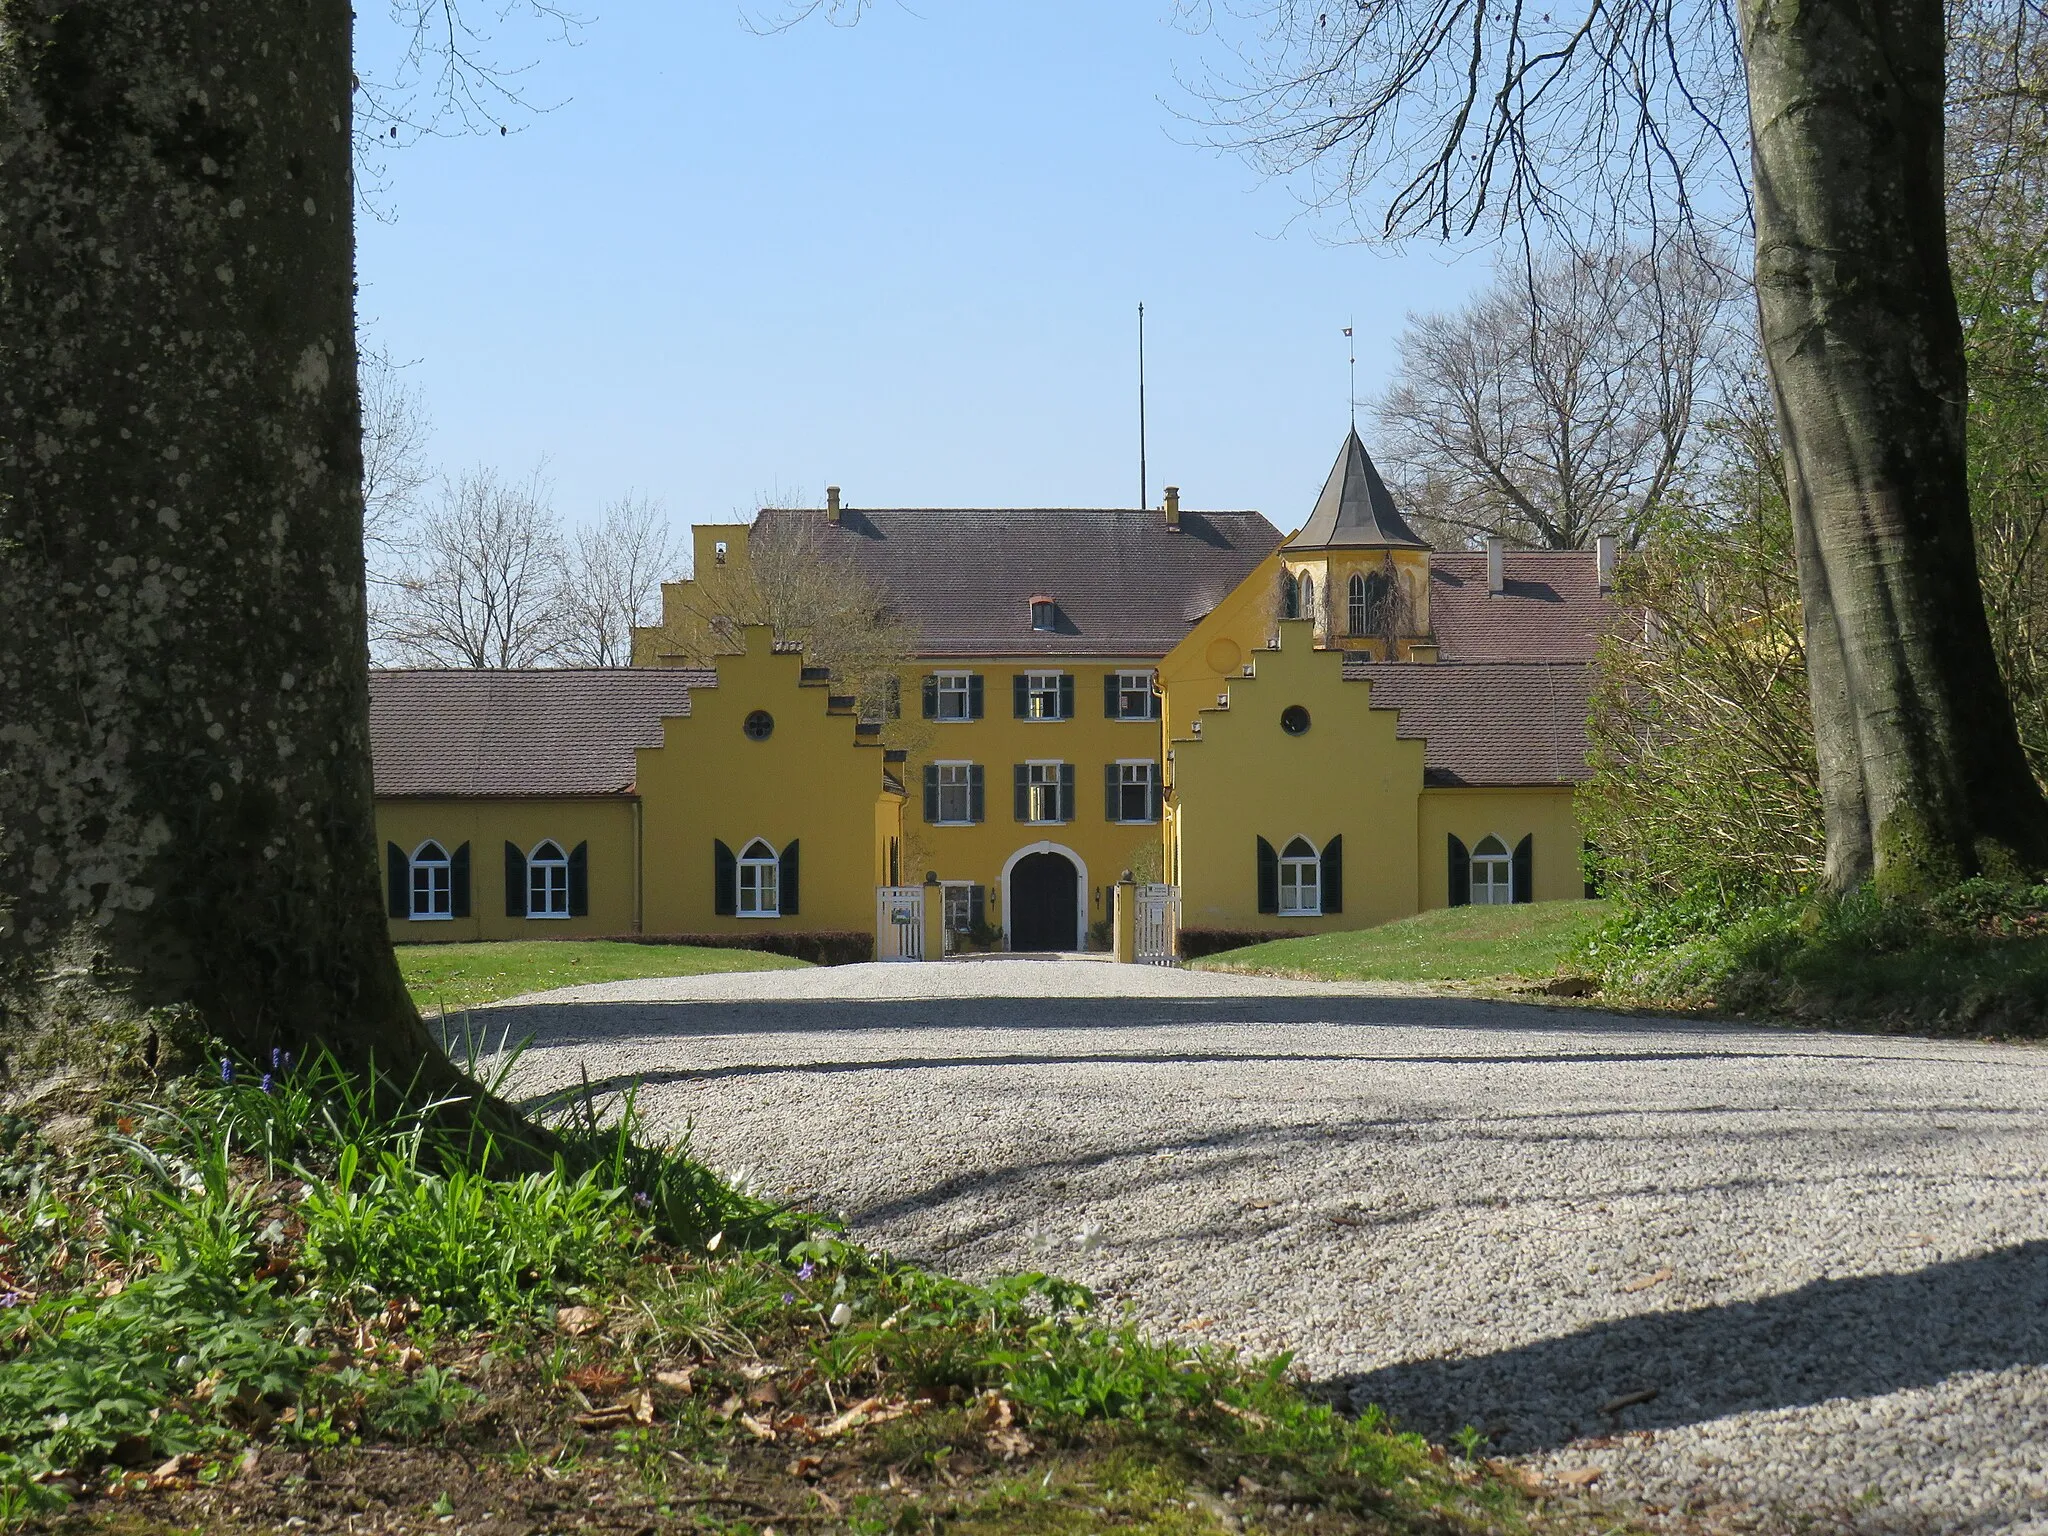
(1245,778)
(1332,570)
(1542,813)
(606,824)
(1090,740)
(811,781)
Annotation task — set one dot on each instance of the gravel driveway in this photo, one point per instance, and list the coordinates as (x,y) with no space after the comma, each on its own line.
(1818,1265)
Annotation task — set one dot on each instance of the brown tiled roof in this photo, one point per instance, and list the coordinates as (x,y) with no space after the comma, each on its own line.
(560,731)
(1124,583)
(1486,723)
(1553,608)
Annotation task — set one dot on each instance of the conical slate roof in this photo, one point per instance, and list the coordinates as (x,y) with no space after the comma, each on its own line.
(1355,511)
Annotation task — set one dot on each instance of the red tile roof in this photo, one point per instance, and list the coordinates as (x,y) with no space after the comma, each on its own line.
(1553,608)
(559,731)
(1125,584)
(1486,723)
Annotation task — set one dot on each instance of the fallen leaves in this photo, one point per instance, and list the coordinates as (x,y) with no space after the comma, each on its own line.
(578,1321)
(1629,1399)
(1001,1434)
(1643,1283)
(1576,1477)
(637,1408)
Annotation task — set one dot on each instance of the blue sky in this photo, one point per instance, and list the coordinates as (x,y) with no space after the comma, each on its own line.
(901,257)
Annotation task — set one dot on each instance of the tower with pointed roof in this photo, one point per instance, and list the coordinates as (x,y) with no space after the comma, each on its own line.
(1356,570)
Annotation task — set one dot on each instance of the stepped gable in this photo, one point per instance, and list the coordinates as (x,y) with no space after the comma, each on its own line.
(1355,510)
(526,732)
(1552,608)
(1487,724)
(1124,582)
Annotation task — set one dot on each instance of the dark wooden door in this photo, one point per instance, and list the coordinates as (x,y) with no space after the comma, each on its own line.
(1045,909)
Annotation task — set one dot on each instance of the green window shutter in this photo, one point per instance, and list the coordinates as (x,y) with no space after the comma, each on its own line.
(1023,792)
(977,800)
(931,696)
(1158,796)
(977,906)
(1066,695)
(1333,875)
(1152,702)
(1460,887)
(1112,702)
(579,880)
(458,881)
(725,880)
(1522,871)
(974,696)
(1020,697)
(931,792)
(1269,878)
(515,881)
(1066,791)
(1109,793)
(786,881)
(397,881)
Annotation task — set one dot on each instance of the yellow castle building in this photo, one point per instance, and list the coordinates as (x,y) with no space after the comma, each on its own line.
(1324,731)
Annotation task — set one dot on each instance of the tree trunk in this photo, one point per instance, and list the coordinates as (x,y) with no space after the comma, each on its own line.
(1923,779)
(186,839)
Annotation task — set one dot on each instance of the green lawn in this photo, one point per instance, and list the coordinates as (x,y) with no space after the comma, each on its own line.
(1454,944)
(453,976)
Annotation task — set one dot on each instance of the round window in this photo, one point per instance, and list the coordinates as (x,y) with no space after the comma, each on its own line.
(1294,719)
(760,725)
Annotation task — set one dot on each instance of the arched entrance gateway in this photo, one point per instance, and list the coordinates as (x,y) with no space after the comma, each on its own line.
(1042,898)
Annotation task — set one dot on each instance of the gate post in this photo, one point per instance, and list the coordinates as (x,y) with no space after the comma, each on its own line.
(1124,926)
(934,916)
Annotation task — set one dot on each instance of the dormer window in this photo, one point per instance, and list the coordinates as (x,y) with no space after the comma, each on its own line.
(1044,614)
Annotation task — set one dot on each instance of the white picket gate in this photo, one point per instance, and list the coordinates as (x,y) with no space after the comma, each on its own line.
(1158,925)
(899,922)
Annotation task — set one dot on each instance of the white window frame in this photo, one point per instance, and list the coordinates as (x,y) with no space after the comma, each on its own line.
(1042,788)
(1139,683)
(1146,777)
(1499,881)
(547,878)
(963,785)
(958,687)
(1307,872)
(757,875)
(1042,696)
(1354,604)
(438,887)
(957,912)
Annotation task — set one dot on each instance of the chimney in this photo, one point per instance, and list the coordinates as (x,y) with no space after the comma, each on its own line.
(1173,506)
(831,503)
(1603,560)
(1496,566)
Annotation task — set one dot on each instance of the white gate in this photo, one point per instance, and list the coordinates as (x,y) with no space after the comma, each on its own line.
(899,922)
(1158,925)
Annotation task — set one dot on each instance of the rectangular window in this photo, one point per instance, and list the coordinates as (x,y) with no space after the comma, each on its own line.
(1492,882)
(547,888)
(1042,696)
(1299,887)
(956,805)
(1042,791)
(432,889)
(1134,697)
(758,896)
(1135,800)
(954,691)
(959,906)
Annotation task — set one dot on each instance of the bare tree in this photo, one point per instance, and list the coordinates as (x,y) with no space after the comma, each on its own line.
(615,581)
(1455,117)
(1560,403)
(396,432)
(484,584)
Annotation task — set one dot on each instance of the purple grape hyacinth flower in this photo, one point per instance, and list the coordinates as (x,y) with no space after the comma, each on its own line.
(265,1084)
(227,1072)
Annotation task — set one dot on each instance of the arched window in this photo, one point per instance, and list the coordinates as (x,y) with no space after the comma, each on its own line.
(547,881)
(1290,596)
(1355,615)
(1300,879)
(433,885)
(1492,874)
(1308,597)
(759,872)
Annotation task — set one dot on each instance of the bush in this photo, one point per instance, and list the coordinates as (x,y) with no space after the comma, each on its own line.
(1195,943)
(817,948)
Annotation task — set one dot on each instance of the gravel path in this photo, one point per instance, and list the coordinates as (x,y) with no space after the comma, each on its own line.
(1826,1256)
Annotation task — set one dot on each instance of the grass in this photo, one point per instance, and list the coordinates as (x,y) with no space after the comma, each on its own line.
(456,976)
(1536,939)
(245,1305)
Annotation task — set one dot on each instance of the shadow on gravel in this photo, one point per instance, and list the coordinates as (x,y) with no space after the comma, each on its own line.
(1850,1338)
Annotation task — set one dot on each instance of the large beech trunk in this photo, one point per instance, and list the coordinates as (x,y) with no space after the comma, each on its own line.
(186,837)
(1922,776)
